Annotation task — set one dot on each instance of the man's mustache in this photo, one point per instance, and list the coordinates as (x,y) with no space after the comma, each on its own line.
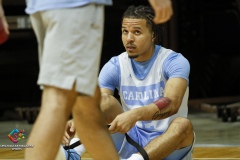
(130,45)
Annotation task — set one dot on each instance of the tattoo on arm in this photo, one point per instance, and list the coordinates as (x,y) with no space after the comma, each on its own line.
(159,115)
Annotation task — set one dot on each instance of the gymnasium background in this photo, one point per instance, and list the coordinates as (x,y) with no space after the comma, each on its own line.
(206,32)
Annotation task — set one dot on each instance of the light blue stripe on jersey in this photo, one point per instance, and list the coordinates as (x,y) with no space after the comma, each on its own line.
(141,69)
(142,95)
(174,66)
(41,5)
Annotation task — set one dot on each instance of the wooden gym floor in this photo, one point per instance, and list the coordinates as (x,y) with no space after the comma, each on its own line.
(200,153)
(215,140)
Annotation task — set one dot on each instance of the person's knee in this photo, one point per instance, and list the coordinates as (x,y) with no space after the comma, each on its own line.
(56,99)
(86,105)
(88,102)
(185,131)
(185,124)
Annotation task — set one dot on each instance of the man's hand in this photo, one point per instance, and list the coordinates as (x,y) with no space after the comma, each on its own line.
(69,132)
(163,10)
(123,122)
(4,32)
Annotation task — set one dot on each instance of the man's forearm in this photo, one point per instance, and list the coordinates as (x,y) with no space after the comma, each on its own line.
(110,107)
(154,111)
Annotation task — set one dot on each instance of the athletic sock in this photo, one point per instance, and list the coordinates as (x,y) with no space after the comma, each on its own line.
(135,157)
(79,149)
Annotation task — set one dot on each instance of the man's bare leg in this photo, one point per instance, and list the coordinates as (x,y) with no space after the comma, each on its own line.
(178,135)
(91,127)
(48,130)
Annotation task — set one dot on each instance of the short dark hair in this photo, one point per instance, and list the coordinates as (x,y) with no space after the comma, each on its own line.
(147,13)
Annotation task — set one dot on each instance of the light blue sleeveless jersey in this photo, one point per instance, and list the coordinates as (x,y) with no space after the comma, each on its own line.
(140,84)
(41,5)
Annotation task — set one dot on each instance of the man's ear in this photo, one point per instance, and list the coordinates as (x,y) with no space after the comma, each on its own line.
(153,37)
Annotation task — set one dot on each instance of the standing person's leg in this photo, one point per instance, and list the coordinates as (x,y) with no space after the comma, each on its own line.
(92,129)
(88,118)
(110,106)
(55,109)
(50,124)
(71,54)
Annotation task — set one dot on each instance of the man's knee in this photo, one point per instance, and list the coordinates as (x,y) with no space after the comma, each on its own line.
(56,98)
(185,130)
(184,122)
(84,100)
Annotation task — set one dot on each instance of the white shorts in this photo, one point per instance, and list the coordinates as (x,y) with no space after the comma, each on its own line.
(70,45)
